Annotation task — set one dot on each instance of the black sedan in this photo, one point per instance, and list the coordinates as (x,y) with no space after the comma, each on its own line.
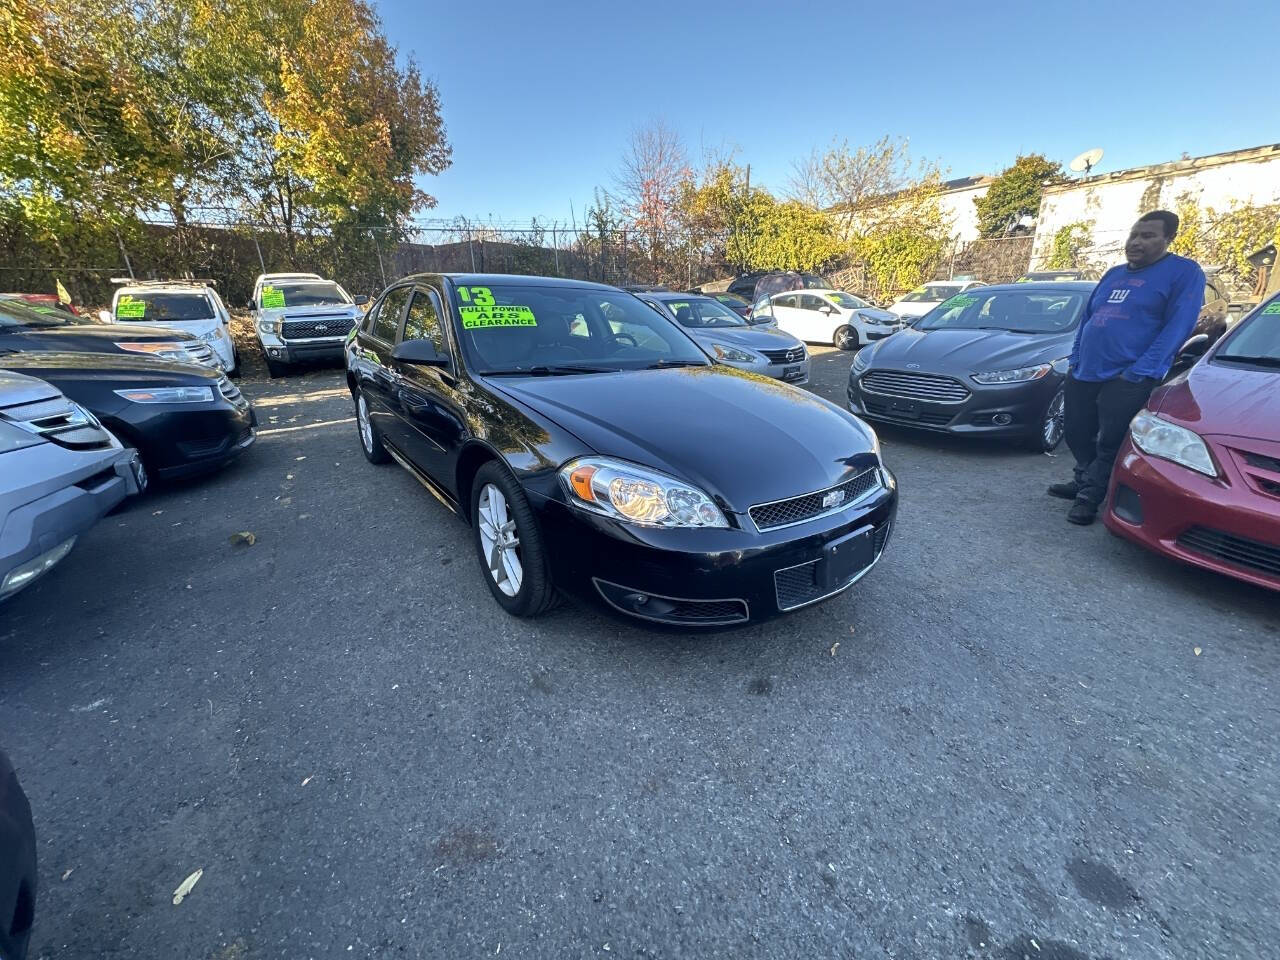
(989,361)
(595,449)
(182,418)
(25,326)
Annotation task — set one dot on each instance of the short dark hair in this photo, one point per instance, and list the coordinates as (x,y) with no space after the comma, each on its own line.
(1167,218)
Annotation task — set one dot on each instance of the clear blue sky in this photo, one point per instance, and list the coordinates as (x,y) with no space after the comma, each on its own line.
(539,99)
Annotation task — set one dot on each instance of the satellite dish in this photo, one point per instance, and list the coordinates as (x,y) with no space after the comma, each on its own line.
(1086,161)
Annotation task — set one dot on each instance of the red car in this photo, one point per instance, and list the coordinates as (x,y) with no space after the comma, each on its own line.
(1198,478)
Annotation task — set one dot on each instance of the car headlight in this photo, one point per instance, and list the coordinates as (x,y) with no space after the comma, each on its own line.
(1168,441)
(167,350)
(1021,375)
(269,327)
(732,354)
(862,359)
(635,494)
(167,394)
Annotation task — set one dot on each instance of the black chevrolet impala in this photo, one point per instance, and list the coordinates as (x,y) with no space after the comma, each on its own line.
(595,449)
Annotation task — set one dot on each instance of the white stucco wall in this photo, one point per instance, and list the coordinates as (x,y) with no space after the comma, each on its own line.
(957,206)
(1112,202)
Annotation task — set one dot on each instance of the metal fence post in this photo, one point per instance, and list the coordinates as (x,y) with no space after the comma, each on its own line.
(555,247)
(262,263)
(381,270)
(125,253)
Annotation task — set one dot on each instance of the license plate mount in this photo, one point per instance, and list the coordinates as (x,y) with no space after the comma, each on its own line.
(793,373)
(846,557)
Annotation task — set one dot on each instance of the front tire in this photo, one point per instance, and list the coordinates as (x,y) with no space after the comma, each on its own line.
(1052,426)
(508,544)
(845,337)
(370,437)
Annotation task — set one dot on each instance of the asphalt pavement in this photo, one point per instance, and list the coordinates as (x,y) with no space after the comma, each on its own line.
(1014,738)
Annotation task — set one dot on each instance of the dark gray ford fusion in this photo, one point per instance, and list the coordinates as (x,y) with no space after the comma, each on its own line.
(989,361)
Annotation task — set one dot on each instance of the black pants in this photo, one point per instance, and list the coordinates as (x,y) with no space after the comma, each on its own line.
(1097,418)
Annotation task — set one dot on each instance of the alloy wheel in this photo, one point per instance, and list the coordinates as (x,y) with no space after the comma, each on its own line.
(1054,422)
(500,540)
(846,339)
(366,427)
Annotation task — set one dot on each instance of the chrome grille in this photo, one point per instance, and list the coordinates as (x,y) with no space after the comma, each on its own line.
(230,391)
(790,355)
(809,506)
(59,420)
(201,352)
(305,328)
(915,386)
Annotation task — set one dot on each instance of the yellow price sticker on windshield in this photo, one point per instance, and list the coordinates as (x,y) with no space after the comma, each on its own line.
(1273,308)
(126,306)
(272,298)
(478,318)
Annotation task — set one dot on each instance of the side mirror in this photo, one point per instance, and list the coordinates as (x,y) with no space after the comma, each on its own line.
(105,316)
(1197,344)
(420,352)
(249,304)
(360,300)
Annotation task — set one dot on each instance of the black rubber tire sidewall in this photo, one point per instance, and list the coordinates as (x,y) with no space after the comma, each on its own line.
(537,593)
(1036,440)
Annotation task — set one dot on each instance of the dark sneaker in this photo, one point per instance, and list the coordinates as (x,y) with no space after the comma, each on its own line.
(1065,491)
(1082,513)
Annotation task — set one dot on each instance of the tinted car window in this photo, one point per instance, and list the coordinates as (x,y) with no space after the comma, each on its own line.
(1257,338)
(848,300)
(932,291)
(423,320)
(697,312)
(139,307)
(512,327)
(388,318)
(814,282)
(810,302)
(1019,311)
(790,300)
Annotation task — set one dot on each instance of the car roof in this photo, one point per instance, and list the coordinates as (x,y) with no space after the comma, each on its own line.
(166,286)
(483,279)
(289,276)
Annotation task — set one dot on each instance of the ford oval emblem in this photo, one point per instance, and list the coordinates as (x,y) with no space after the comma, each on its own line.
(913,366)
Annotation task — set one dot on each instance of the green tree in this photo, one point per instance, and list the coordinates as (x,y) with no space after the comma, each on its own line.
(1015,194)
(1069,244)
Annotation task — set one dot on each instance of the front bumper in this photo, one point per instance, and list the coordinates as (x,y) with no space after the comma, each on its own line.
(794,373)
(177,441)
(995,410)
(41,526)
(708,578)
(1182,514)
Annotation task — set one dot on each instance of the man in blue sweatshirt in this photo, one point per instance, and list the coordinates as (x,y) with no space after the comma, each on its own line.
(1134,325)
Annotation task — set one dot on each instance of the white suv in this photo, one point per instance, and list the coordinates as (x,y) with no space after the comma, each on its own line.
(300,317)
(191,306)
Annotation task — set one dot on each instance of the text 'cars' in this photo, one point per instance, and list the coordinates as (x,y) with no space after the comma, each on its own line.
(595,449)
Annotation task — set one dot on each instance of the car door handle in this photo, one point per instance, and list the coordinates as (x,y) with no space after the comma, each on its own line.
(413,403)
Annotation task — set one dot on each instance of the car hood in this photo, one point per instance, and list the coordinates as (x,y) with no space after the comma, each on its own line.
(324,310)
(961,352)
(196,328)
(742,437)
(58,368)
(96,336)
(16,388)
(753,338)
(1223,399)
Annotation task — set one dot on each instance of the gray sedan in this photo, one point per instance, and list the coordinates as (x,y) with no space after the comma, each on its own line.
(759,347)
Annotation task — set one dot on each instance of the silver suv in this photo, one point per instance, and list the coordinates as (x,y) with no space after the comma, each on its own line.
(60,471)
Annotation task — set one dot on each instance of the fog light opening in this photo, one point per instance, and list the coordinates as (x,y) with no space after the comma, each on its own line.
(1002,419)
(274,351)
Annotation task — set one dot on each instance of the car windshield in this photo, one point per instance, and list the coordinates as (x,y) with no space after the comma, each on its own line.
(148,305)
(703,312)
(848,300)
(732,298)
(15,314)
(1257,339)
(306,293)
(1019,311)
(518,328)
(812,281)
(931,291)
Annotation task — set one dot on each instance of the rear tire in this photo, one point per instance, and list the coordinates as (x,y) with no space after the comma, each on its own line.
(370,437)
(234,372)
(845,337)
(508,543)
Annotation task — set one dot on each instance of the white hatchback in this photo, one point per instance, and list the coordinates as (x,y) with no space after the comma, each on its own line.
(192,307)
(928,295)
(828,316)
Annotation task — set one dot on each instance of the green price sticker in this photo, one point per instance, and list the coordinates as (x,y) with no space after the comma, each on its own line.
(1272,309)
(961,301)
(130,308)
(480,317)
(479,296)
(272,298)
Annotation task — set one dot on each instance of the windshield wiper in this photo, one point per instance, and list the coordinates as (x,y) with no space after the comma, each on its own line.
(661,364)
(559,370)
(1260,361)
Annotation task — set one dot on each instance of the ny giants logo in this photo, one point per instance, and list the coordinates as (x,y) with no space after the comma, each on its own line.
(1117,296)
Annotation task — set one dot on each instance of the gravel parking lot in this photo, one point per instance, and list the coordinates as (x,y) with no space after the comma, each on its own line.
(1015,738)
